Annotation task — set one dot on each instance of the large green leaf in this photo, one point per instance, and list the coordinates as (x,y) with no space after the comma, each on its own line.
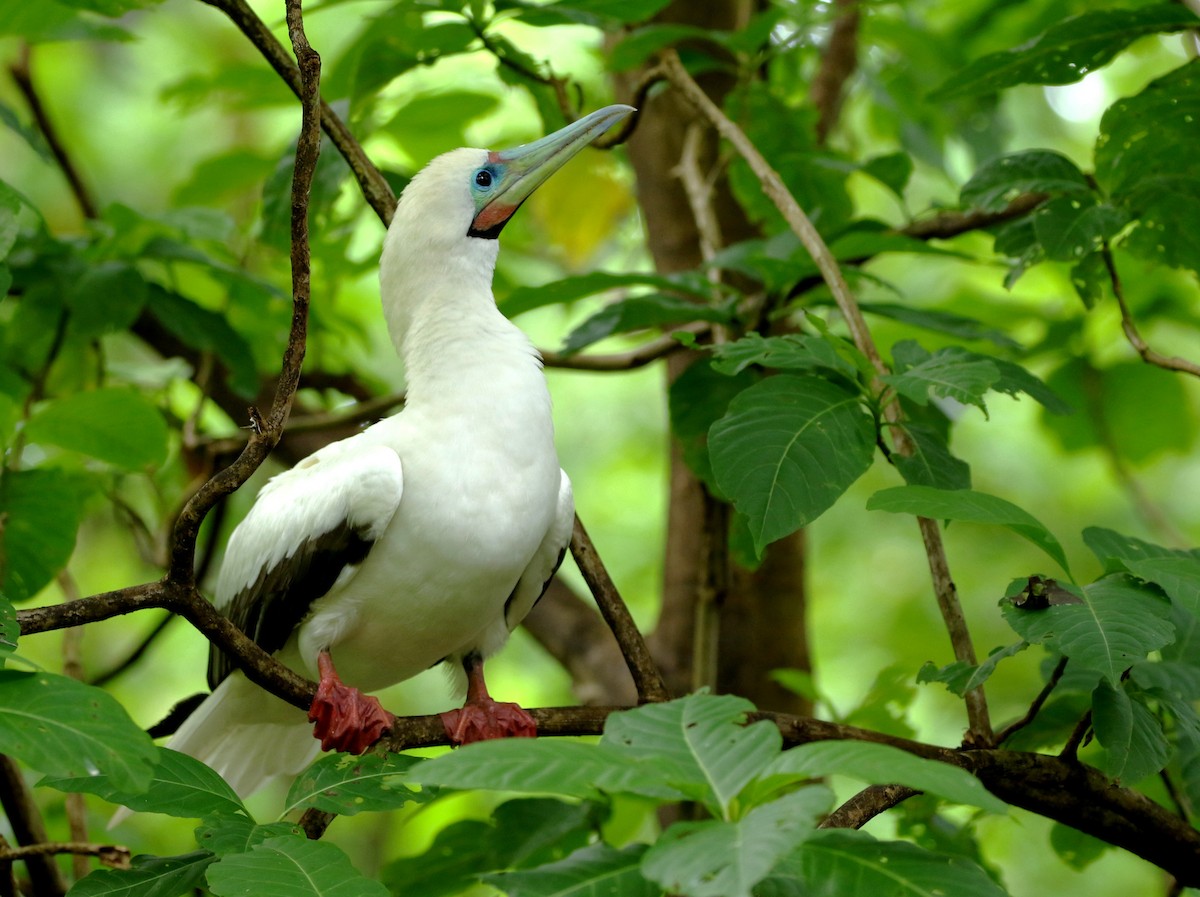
(1129,732)
(149,876)
(792,352)
(1175,571)
(595,871)
(180,786)
(930,463)
(545,766)
(224,834)
(941,322)
(106,298)
(1001,180)
(961,677)
(1117,623)
(113,424)
(41,510)
(1072,227)
(699,744)
(882,764)
(696,399)
(65,728)
(787,449)
(1068,51)
(968,505)
(1144,160)
(720,858)
(290,867)
(853,864)
(342,784)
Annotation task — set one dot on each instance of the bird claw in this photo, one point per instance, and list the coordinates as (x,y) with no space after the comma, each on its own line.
(486,719)
(345,719)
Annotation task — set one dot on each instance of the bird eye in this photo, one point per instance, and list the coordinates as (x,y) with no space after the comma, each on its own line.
(483,178)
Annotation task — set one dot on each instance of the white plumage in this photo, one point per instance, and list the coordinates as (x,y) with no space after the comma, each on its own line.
(429,536)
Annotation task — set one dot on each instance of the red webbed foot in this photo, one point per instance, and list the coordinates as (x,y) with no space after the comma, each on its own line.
(481,718)
(344,718)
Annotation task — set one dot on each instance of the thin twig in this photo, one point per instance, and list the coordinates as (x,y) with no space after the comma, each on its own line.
(1070,750)
(115,856)
(23,76)
(135,655)
(646,677)
(1036,707)
(1148,355)
(657,348)
(980,730)
(72,650)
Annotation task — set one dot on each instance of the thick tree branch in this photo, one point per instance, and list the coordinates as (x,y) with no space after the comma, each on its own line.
(980,730)
(29,829)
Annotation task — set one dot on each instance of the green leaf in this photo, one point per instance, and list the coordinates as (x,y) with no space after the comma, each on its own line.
(41,510)
(10,629)
(111,8)
(882,764)
(1118,623)
(179,786)
(1067,51)
(1000,181)
(65,728)
(931,462)
(639,313)
(428,123)
(696,400)
(949,373)
(207,331)
(342,784)
(961,677)
(1143,160)
(571,289)
(1075,848)
(793,352)
(1176,572)
(719,858)
(10,208)
(969,506)
(603,14)
(48,20)
(149,876)
(1132,736)
(225,834)
(1072,227)
(699,744)
(106,298)
(941,322)
(290,867)
(32,136)
(113,424)
(567,768)
(1015,379)
(595,871)
(856,865)
(787,449)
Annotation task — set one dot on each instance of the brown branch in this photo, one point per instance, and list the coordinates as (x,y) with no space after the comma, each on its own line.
(980,730)
(1036,707)
(838,62)
(1070,751)
(946,225)
(866,805)
(1133,335)
(375,188)
(115,856)
(267,432)
(28,828)
(624,361)
(646,677)
(23,77)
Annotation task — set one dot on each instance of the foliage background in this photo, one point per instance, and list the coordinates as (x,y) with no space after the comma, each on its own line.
(185,115)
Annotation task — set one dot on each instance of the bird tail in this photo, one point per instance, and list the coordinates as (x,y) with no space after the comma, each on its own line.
(247,735)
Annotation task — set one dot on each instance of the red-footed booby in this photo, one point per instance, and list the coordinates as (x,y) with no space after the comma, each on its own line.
(429,536)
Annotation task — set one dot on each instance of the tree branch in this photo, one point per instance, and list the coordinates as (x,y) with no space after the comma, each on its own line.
(1133,335)
(980,730)
(115,856)
(1036,707)
(866,805)
(838,62)
(28,828)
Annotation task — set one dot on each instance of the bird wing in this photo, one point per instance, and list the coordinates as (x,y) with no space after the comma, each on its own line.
(309,529)
(546,560)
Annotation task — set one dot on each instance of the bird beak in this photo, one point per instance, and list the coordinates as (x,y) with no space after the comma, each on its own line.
(521,170)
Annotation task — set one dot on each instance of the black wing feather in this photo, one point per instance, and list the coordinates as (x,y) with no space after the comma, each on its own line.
(269,609)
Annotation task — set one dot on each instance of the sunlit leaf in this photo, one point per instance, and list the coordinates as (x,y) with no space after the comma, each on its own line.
(970,506)
(960,677)
(720,858)
(290,867)
(343,784)
(113,424)
(793,352)
(67,729)
(10,207)
(41,510)
(787,448)
(1067,51)
(949,373)
(699,744)
(179,786)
